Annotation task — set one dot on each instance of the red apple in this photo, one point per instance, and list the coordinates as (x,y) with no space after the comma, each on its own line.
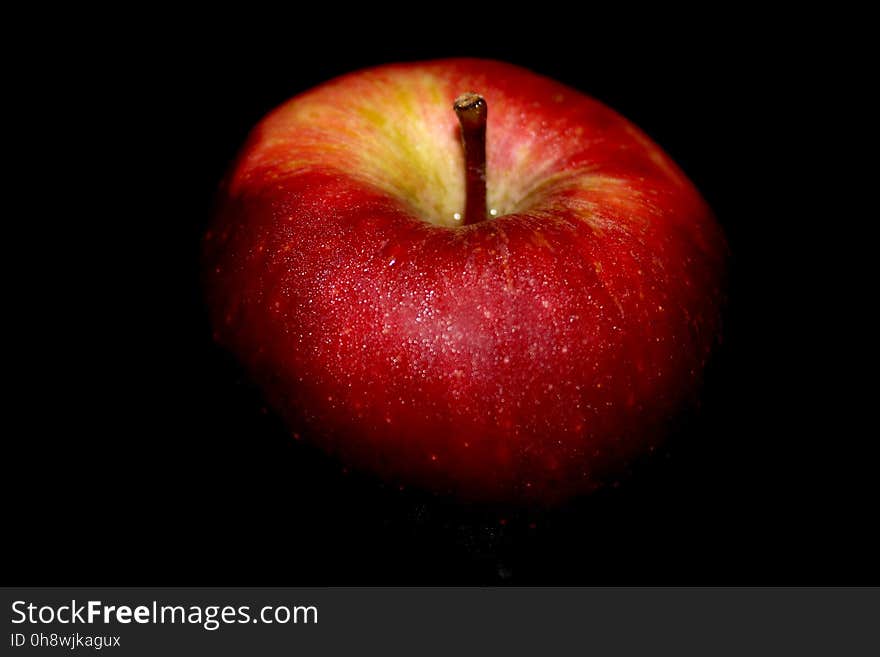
(526,351)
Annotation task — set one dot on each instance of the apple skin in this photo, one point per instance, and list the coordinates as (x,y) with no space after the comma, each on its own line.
(528,358)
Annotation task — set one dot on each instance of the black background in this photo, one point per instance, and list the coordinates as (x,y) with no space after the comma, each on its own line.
(144,457)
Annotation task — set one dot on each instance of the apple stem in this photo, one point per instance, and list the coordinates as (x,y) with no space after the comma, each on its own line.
(472,114)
